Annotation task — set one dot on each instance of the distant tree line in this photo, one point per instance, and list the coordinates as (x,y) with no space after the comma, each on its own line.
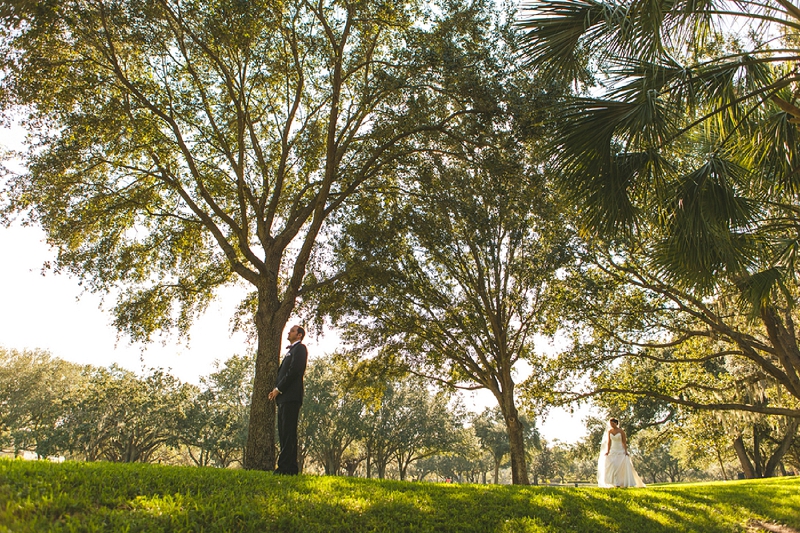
(395,428)
(386,426)
(57,408)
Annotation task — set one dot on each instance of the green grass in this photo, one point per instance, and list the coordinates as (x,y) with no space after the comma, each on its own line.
(42,496)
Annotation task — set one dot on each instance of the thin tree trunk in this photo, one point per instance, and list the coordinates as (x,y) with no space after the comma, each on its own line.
(369,461)
(758,461)
(722,465)
(301,460)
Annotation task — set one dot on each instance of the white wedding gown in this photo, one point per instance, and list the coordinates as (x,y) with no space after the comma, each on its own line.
(616,469)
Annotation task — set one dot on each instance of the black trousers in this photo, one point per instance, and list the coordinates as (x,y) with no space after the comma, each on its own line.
(288,414)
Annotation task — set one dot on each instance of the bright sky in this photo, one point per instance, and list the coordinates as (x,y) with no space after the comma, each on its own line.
(52,312)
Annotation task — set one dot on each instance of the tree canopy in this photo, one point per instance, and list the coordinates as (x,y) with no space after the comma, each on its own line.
(453,265)
(178,147)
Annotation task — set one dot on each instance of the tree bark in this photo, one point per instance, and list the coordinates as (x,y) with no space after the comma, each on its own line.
(519,470)
(744,460)
(786,443)
(369,461)
(758,462)
(270,323)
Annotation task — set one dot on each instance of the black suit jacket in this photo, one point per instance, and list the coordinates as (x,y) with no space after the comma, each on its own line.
(290,375)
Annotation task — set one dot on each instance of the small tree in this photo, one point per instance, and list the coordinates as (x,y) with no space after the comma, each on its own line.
(426,425)
(406,422)
(216,422)
(493,437)
(543,465)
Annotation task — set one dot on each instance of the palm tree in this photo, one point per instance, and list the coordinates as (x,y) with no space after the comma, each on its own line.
(682,142)
(686,128)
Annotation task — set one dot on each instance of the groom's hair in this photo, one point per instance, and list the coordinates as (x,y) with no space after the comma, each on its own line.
(301,331)
(614,420)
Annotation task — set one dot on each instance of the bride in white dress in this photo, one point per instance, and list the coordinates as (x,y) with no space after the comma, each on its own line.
(614,467)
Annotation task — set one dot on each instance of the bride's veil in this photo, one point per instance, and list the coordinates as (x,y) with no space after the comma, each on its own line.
(605,439)
(601,458)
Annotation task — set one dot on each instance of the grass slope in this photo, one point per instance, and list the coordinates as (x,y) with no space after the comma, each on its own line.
(42,496)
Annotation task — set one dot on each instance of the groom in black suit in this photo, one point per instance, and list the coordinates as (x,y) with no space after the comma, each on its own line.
(288,394)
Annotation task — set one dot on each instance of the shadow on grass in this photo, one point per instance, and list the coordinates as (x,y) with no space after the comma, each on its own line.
(113,497)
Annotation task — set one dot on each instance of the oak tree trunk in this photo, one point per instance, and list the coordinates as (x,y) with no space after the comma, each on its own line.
(260,449)
(515,429)
(519,469)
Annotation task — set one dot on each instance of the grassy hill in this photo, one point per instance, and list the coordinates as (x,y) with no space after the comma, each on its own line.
(42,496)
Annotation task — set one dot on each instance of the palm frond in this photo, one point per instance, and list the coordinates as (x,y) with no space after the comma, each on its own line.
(708,226)
(553,38)
(559,36)
(757,289)
(773,147)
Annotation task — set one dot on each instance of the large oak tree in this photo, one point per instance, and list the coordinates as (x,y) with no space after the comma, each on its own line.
(181,146)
